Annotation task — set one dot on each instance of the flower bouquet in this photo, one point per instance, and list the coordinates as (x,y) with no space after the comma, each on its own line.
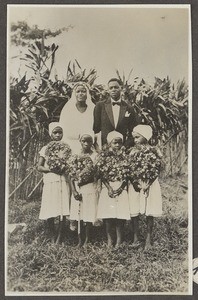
(81,168)
(112,166)
(58,153)
(145,164)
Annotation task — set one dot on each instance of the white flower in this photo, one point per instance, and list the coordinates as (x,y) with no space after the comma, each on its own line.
(127,114)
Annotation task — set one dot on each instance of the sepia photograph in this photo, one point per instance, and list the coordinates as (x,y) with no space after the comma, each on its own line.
(98,167)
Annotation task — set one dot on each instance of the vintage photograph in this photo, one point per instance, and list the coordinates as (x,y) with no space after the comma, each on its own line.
(98,180)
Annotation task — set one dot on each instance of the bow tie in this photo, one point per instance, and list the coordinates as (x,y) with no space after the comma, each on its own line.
(116,103)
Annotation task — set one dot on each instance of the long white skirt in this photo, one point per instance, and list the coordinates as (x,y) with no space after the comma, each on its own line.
(140,204)
(86,209)
(55,198)
(116,208)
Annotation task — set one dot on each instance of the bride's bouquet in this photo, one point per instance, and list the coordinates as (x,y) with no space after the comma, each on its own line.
(57,155)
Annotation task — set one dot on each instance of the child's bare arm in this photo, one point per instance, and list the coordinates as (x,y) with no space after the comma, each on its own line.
(144,185)
(121,188)
(41,167)
(109,188)
(77,196)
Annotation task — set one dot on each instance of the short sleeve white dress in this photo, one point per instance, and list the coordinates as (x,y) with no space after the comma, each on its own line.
(113,208)
(150,205)
(56,194)
(86,209)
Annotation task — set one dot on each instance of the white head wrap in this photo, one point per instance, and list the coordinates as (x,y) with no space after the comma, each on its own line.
(52,126)
(75,123)
(113,135)
(73,96)
(144,130)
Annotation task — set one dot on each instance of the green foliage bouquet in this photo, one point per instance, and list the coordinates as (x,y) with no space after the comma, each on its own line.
(144,163)
(58,153)
(112,166)
(81,169)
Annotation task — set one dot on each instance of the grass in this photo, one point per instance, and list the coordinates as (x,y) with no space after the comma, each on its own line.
(36,265)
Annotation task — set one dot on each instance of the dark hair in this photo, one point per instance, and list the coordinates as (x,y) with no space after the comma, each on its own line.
(115,79)
(88,135)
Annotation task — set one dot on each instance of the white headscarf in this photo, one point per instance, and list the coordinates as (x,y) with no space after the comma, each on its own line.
(73,122)
(52,126)
(72,100)
(144,130)
(113,135)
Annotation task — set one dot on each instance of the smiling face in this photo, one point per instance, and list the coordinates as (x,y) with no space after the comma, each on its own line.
(139,139)
(114,90)
(81,93)
(116,144)
(86,142)
(57,134)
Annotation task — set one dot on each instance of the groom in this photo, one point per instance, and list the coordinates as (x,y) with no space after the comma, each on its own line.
(113,114)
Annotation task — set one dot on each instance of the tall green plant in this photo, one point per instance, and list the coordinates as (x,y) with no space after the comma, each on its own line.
(33,101)
(163,106)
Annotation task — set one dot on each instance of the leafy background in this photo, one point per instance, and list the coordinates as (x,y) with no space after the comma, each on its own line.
(36,99)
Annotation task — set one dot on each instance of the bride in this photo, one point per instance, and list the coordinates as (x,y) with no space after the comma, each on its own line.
(76,117)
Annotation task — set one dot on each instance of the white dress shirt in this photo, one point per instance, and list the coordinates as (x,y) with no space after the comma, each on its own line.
(116,111)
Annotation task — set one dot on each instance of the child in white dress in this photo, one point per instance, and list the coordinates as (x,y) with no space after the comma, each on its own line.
(84,194)
(145,197)
(113,204)
(56,188)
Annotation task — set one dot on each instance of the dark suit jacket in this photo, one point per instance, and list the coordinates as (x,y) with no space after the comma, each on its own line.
(104,121)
